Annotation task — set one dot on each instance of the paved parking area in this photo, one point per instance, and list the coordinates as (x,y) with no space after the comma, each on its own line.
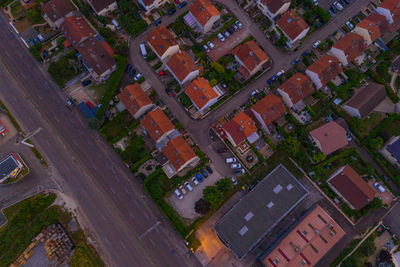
(386,197)
(392,220)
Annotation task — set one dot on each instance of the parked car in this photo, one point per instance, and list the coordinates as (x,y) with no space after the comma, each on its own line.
(162,73)
(178,194)
(171,12)
(254,92)
(188,186)
(334,9)
(379,187)
(158,21)
(45,54)
(331,13)
(132,72)
(204,173)
(199,178)
(295,61)
(348,137)
(226,34)
(274,78)
(205,47)
(169,92)
(343,3)
(316,44)
(235,27)
(236,165)
(194,181)
(305,53)
(239,24)
(281,72)
(137,77)
(230,30)
(349,25)
(239,171)
(90,104)
(315,2)
(182,4)
(222,150)
(128,68)
(182,190)
(210,45)
(233,180)
(230,160)
(220,37)
(86,82)
(270,81)
(338,5)
(208,168)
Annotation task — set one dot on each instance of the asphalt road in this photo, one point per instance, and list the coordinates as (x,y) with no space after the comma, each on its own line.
(129,230)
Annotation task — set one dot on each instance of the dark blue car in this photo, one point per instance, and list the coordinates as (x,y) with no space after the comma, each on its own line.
(157,22)
(269,81)
(133,71)
(182,4)
(295,61)
(198,176)
(305,53)
(204,173)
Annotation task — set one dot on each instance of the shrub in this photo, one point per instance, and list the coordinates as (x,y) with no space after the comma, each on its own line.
(202,207)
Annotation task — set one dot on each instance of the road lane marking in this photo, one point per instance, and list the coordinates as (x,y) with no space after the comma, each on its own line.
(152,242)
(137,204)
(130,213)
(149,230)
(122,244)
(112,190)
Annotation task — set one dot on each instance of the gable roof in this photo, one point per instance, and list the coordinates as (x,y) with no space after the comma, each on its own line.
(203,10)
(292,24)
(160,38)
(178,152)
(394,149)
(297,87)
(368,98)
(352,45)
(394,7)
(96,54)
(181,64)
(250,54)
(376,25)
(156,123)
(270,108)
(352,187)
(99,5)
(76,28)
(200,92)
(274,5)
(56,9)
(134,98)
(240,127)
(331,136)
(327,68)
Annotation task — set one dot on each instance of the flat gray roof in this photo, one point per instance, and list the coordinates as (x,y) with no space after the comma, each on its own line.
(258,212)
(8,165)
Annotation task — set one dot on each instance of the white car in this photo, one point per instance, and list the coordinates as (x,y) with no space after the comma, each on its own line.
(205,47)
(338,5)
(239,24)
(137,77)
(233,180)
(219,35)
(316,44)
(254,92)
(349,25)
(182,190)
(230,160)
(194,181)
(210,45)
(379,187)
(178,194)
(315,2)
(280,73)
(188,186)
(236,165)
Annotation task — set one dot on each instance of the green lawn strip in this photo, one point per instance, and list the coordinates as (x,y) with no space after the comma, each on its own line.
(115,129)
(12,119)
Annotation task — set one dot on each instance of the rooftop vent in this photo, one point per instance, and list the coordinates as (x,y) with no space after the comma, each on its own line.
(277,189)
(243,230)
(248,216)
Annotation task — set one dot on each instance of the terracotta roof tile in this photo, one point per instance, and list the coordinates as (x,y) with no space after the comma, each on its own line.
(178,152)
(160,38)
(203,10)
(394,7)
(200,92)
(327,68)
(376,25)
(156,123)
(298,87)
(240,127)
(292,24)
(56,9)
(274,5)
(251,54)
(270,108)
(99,5)
(76,28)
(331,136)
(353,45)
(134,98)
(181,65)
(352,187)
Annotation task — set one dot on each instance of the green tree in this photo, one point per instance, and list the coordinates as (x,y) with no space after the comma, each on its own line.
(356,123)
(319,156)
(202,207)
(212,195)
(374,143)
(291,146)
(34,16)
(218,67)
(224,185)
(213,82)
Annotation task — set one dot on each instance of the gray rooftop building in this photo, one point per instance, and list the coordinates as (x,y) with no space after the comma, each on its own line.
(258,212)
(7,166)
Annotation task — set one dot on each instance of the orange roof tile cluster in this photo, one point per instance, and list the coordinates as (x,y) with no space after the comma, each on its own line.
(56,9)
(160,38)
(376,25)
(203,11)
(76,28)
(310,240)
(181,65)
(352,187)
(274,5)
(353,45)
(156,124)
(250,54)
(327,68)
(200,92)
(331,136)
(240,127)
(270,108)
(297,87)
(394,7)
(178,152)
(292,24)
(134,98)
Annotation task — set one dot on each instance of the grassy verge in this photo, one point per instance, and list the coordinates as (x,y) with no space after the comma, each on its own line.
(37,154)
(12,119)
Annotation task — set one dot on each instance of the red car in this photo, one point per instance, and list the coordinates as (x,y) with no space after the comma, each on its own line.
(177,2)
(162,73)
(90,104)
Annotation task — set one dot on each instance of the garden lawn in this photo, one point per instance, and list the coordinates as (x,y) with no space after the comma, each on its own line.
(113,130)
(370,123)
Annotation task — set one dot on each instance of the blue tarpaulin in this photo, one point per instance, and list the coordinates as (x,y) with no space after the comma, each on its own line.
(89,113)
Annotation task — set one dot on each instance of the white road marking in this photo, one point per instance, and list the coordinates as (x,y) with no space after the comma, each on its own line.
(149,230)
(137,204)
(123,245)
(112,190)
(146,216)
(130,213)
(152,242)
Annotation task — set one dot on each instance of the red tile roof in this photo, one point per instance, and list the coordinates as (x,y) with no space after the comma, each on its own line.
(394,7)
(181,65)
(160,38)
(292,24)
(178,152)
(156,123)
(327,68)
(298,87)
(56,9)
(76,28)
(240,127)
(200,92)
(99,5)
(376,25)
(270,108)
(203,11)
(353,45)
(331,136)
(317,231)
(352,187)
(250,54)
(274,5)
(134,98)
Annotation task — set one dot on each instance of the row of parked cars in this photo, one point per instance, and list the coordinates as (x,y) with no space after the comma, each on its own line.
(192,182)
(338,6)
(225,34)
(236,166)
(132,72)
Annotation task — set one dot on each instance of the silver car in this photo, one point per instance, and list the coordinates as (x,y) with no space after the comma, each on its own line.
(188,186)
(194,181)
(178,194)
(220,37)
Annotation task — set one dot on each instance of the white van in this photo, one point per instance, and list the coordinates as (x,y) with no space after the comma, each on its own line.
(230,160)
(143,50)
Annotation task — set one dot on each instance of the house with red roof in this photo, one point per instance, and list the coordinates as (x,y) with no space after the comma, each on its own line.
(267,110)
(150,5)
(157,125)
(179,154)
(295,89)
(201,93)
(324,70)
(135,100)
(329,137)
(76,29)
(349,185)
(240,129)
(273,8)
(292,26)
(372,27)
(250,57)
(163,42)
(349,49)
(56,10)
(391,10)
(202,15)
(182,67)
(103,7)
